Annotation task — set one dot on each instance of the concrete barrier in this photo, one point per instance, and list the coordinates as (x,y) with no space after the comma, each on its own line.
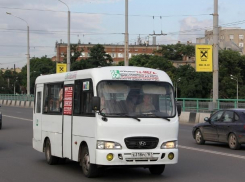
(22,104)
(191,117)
(17,103)
(184,117)
(13,103)
(32,104)
(27,104)
(9,102)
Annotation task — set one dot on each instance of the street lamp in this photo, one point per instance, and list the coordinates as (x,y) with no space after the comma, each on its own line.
(235,78)
(68,39)
(28,54)
(177,87)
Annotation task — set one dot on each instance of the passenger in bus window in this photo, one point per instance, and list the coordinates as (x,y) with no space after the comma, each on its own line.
(131,103)
(146,105)
(60,99)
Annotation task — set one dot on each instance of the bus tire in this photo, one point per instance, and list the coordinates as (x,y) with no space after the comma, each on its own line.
(89,170)
(51,160)
(157,170)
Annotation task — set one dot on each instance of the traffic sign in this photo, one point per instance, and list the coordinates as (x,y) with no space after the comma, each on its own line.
(60,68)
(204,58)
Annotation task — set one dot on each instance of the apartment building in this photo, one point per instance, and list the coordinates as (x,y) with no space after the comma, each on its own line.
(116,51)
(229,38)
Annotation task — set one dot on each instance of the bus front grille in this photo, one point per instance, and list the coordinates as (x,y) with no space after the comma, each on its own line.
(141,142)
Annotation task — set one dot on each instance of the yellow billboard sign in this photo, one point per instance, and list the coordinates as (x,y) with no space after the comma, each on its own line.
(60,68)
(204,58)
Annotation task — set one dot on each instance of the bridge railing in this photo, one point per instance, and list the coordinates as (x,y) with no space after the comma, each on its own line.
(203,105)
(17,97)
(188,104)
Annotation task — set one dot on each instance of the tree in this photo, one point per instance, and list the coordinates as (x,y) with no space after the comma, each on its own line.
(98,56)
(75,54)
(176,51)
(193,84)
(38,66)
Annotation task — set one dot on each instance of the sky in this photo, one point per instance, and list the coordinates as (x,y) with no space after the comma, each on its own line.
(103,21)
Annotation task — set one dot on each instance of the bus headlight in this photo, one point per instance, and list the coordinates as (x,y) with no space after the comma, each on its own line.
(108,145)
(170,145)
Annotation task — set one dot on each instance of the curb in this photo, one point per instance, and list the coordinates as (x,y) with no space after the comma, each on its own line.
(192,117)
(17,103)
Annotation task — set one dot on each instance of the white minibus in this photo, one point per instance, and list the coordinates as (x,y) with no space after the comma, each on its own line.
(108,116)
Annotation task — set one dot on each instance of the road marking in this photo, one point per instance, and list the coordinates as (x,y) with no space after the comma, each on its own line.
(17,118)
(212,152)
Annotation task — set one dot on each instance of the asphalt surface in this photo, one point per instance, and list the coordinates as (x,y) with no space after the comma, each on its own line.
(19,162)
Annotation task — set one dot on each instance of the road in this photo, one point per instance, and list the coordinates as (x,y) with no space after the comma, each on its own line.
(19,162)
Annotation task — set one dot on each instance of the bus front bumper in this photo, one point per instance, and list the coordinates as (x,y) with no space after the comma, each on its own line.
(127,157)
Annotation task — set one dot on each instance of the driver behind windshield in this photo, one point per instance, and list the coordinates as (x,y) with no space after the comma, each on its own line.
(146,105)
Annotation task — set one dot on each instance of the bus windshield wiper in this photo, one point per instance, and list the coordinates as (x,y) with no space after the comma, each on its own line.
(148,114)
(128,116)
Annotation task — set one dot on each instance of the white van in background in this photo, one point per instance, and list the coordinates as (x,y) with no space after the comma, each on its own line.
(109,116)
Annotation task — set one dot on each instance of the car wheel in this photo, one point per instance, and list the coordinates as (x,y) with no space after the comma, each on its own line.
(51,160)
(0,124)
(199,137)
(157,170)
(89,170)
(233,142)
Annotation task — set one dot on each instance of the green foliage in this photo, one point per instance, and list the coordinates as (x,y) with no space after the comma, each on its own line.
(38,66)
(176,51)
(74,55)
(193,84)
(98,57)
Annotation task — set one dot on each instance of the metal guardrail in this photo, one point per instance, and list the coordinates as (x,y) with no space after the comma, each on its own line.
(188,104)
(202,105)
(17,97)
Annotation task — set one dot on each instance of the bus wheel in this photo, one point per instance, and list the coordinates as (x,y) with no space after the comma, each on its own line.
(89,170)
(51,160)
(157,170)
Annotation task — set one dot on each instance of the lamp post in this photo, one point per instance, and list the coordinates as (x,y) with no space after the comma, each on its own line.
(236,79)
(28,53)
(68,39)
(126,35)
(176,89)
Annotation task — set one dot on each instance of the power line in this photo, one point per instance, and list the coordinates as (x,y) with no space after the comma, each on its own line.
(107,14)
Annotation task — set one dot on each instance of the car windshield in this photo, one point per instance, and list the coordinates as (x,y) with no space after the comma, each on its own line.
(136,98)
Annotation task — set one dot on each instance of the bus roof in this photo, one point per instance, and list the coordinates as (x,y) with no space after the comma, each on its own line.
(108,73)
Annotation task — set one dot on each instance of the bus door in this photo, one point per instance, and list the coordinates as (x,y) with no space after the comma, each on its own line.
(37,119)
(67,118)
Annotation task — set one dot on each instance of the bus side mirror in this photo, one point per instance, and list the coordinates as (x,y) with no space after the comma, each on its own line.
(179,109)
(96,103)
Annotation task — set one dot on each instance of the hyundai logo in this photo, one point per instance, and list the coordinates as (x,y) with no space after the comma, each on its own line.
(142,143)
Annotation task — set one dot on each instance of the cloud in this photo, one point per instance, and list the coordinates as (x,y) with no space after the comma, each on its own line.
(45,28)
(191,28)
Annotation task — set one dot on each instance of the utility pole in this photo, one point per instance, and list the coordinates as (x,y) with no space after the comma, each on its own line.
(126,35)
(215,52)
(68,39)
(28,62)
(68,45)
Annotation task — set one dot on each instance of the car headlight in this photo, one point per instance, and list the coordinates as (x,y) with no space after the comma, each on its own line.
(108,145)
(169,145)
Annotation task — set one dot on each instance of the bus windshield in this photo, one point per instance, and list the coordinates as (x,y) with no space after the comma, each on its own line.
(137,98)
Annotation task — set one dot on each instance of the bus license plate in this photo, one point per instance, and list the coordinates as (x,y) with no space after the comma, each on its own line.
(142,154)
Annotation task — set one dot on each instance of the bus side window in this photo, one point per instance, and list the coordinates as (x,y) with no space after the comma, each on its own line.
(45,99)
(39,97)
(83,97)
(52,98)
